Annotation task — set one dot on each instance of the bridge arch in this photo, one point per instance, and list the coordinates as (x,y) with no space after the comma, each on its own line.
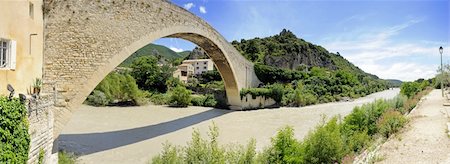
(85,40)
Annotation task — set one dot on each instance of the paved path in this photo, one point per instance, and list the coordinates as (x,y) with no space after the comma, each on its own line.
(424,140)
(135,134)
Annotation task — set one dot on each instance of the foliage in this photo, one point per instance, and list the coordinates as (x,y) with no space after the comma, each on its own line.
(117,88)
(97,98)
(410,88)
(179,96)
(15,140)
(390,122)
(149,76)
(209,76)
(41,156)
(324,144)
(210,101)
(256,92)
(198,100)
(284,149)
(159,99)
(200,150)
(66,158)
(277,92)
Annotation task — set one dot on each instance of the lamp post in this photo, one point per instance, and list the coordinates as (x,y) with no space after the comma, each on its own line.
(442,72)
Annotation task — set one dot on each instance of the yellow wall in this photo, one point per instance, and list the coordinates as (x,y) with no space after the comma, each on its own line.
(16,24)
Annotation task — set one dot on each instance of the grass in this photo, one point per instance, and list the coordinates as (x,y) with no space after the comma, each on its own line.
(66,158)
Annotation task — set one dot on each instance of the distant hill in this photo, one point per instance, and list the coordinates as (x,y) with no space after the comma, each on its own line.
(285,50)
(156,50)
(184,53)
(394,83)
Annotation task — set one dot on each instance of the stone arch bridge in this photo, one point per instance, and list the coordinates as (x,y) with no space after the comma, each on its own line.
(87,39)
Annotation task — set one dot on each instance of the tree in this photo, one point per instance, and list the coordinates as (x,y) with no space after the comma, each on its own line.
(150,76)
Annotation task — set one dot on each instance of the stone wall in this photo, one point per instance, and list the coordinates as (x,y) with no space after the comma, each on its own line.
(40,118)
(248,102)
(86,39)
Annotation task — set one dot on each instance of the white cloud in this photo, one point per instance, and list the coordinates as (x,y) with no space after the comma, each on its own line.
(188,6)
(202,9)
(176,49)
(375,52)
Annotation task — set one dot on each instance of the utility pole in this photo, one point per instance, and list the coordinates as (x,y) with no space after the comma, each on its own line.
(441,50)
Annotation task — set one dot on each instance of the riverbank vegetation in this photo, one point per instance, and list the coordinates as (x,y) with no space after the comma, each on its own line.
(334,140)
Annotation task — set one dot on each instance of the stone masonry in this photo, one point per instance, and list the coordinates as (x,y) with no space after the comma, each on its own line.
(40,118)
(86,39)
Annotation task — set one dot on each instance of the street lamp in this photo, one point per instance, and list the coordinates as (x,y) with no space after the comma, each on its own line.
(441,50)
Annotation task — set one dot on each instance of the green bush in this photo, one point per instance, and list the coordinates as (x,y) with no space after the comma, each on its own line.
(200,150)
(256,92)
(277,92)
(117,88)
(198,100)
(242,154)
(409,89)
(324,144)
(15,140)
(97,98)
(170,155)
(179,96)
(159,99)
(210,101)
(284,149)
(66,158)
(390,122)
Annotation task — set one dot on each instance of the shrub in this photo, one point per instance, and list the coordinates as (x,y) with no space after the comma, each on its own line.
(324,144)
(15,140)
(277,92)
(256,92)
(159,99)
(390,122)
(118,88)
(284,149)
(198,100)
(242,154)
(409,89)
(66,158)
(303,99)
(170,154)
(210,101)
(180,97)
(97,98)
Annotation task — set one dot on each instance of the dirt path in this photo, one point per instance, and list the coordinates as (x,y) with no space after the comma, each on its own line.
(135,134)
(425,138)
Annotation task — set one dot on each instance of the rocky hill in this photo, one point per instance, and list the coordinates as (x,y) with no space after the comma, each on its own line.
(285,50)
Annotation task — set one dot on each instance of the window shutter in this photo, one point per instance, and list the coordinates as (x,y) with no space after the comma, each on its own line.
(12,64)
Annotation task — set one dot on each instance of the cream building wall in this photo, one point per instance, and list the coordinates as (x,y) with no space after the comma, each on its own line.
(201,65)
(17,25)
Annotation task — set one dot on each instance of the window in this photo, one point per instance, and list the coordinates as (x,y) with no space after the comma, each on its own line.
(204,67)
(31,10)
(198,68)
(205,63)
(7,54)
(183,73)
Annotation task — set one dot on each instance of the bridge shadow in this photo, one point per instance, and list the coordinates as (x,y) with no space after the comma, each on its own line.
(84,144)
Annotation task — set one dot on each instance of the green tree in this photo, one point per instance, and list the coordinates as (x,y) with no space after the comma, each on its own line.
(149,76)
(180,96)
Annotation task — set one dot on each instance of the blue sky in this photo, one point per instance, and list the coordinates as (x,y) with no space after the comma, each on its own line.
(391,39)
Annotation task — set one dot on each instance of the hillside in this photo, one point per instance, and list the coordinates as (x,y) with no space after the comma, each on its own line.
(285,50)
(156,50)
